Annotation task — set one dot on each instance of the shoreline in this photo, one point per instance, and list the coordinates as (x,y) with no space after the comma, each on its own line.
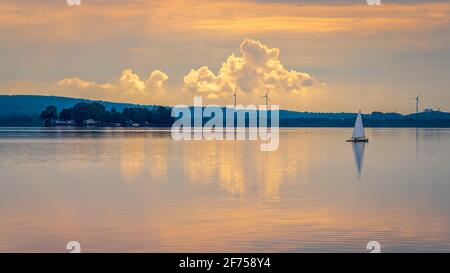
(169,126)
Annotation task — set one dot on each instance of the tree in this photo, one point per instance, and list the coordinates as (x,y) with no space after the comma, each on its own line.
(163,115)
(80,112)
(66,114)
(117,117)
(96,111)
(49,115)
(83,111)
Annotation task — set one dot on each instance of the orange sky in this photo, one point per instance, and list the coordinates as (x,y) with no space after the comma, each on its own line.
(316,57)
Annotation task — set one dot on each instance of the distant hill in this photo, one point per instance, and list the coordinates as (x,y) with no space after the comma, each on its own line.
(33,105)
(24,110)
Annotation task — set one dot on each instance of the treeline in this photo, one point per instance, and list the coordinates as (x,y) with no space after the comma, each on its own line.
(97,114)
(387,123)
(19,120)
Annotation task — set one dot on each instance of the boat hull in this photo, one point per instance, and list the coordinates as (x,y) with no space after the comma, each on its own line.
(358,140)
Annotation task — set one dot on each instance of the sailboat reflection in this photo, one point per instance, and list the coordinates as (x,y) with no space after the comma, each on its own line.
(358,150)
(417,142)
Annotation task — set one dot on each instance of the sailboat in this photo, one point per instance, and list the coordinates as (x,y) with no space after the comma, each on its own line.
(358,131)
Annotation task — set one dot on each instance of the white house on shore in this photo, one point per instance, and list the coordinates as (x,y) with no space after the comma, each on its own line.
(64,123)
(90,122)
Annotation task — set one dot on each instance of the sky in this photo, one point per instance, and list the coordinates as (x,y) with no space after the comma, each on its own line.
(326,56)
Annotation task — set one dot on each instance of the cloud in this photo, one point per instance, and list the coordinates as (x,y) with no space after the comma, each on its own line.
(156,79)
(129,83)
(129,87)
(99,20)
(351,47)
(76,82)
(204,81)
(257,69)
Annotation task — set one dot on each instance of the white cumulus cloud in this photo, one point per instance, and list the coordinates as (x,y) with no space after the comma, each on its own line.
(156,79)
(129,83)
(257,68)
(128,87)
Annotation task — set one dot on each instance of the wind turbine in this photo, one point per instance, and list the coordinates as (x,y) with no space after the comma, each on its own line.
(235,96)
(267,99)
(417,99)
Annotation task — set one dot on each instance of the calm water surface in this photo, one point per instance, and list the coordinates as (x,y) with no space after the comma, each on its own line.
(138,190)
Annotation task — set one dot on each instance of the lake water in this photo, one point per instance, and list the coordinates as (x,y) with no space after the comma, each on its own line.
(138,190)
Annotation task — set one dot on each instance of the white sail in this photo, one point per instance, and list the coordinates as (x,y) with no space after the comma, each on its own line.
(358,131)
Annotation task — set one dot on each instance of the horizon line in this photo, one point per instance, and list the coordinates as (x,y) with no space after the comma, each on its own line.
(139,104)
